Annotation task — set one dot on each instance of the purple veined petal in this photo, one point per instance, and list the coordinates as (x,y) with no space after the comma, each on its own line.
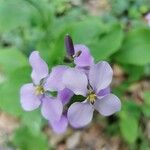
(85,58)
(108,105)
(60,126)
(29,101)
(65,95)
(84,69)
(100,76)
(51,109)
(54,81)
(80,114)
(75,80)
(39,67)
(104,92)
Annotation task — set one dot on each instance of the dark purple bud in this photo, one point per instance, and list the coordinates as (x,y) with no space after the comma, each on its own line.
(69,45)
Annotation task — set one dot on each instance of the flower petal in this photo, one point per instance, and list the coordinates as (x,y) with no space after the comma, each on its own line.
(100,76)
(65,95)
(108,105)
(84,69)
(54,81)
(29,101)
(51,109)
(80,114)
(104,92)
(39,66)
(85,58)
(60,126)
(76,81)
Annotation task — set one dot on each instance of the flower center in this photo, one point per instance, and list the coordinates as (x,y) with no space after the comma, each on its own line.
(91,97)
(39,90)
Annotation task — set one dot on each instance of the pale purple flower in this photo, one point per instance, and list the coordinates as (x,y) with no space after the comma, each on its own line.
(54,83)
(65,95)
(61,125)
(95,87)
(33,95)
(54,80)
(79,53)
(87,79)
(85,59)
(147,17)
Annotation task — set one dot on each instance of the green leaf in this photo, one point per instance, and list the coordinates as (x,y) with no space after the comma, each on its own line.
(129,117)
(87,30)
(10,89)
(119,6)
(146,110)
(108,43)
(147,98)
(146,104)
(134,72)
(33,120)
(129,129)
(13,14)
(23,139)
(11,59)
(136,48)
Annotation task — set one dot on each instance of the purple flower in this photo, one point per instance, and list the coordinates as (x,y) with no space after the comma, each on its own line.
(95,87)
(79,53)
(84,59)
(33,95)
(87,79)
(65,95)
(54,83)
(147,17)
(54,80)
(61,125)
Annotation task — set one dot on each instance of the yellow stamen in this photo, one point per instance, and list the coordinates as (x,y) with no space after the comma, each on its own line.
(91,97)
(39,90)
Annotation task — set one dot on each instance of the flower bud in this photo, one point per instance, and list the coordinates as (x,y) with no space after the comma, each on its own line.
(69,45)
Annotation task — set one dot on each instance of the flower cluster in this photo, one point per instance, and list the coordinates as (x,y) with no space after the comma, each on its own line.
(86,78)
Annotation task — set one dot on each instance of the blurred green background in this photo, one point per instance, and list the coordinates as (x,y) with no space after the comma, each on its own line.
(114,30)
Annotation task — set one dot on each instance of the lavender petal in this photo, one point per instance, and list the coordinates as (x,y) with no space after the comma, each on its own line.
(100,76)
(54,81)
(60,126)
(76,81)
(51,109)
(39,67)
(104,92)
(80,114)
(65,95)
(84,59)
(29,101)
(108,105)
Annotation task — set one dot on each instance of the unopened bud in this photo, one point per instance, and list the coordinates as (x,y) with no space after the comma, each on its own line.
(69,45)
